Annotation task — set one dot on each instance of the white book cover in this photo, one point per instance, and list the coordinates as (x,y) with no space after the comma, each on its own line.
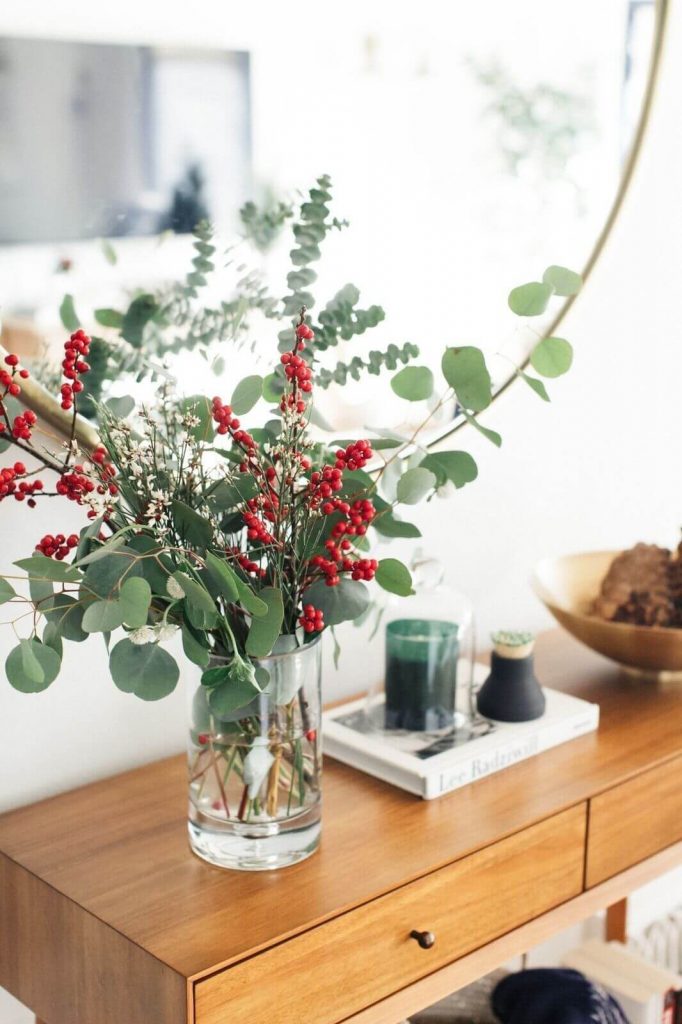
(429,766)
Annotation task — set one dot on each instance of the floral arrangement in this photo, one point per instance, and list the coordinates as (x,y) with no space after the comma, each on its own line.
(248,543)
(235,538)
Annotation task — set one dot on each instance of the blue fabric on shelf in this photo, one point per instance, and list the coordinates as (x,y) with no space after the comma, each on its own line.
(547,995)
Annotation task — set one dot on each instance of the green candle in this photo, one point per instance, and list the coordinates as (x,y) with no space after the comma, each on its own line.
(421,674)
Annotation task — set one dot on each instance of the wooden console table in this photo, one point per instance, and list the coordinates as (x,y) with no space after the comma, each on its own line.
(106,917)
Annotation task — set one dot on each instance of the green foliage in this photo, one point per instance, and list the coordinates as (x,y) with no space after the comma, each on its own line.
(246,394)
(466,372)
(231,687)
(194,649)
(536,385)
(414,485)
(137,316)
(414,383)
(103,617)
(109,252)
(7,591)
(145,670)
(262,225)
(201,610)
(394,577)
(109,317)
(389,525)
(490,435)
(265,630)
(530,299)
(457,467)
(223,577)
(40,567)
(32,666)
(65,615)
(192,527)
(373,365)
(68,315)
(134,601)
(564,282)
(552,357)
(342,603)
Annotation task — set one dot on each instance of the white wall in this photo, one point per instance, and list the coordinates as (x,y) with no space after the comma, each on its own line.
(598,468)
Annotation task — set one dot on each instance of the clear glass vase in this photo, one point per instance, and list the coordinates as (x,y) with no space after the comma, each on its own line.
(255,775)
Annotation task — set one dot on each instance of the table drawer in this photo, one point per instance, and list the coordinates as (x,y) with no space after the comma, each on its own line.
(634,820)
(342,966)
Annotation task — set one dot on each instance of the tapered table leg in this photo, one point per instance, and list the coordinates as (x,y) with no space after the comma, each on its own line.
(617,921)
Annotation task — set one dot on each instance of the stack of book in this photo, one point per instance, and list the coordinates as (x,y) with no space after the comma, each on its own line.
(647,994)
(431,765)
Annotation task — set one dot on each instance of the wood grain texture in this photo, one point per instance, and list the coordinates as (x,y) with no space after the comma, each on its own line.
(464,905)
(119,849)
(634,820)
(71,968)
(468,968)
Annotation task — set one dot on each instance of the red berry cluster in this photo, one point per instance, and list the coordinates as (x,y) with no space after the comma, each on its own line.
(249,567)
(75,485)
(22,425)
(229,424)
(312,619)
(22,490)
(296,369)
(256,529)
(324,483)
(106,469)
(8,378)
(364,569)
(358,515)
(57,546)
(303,334)
(355,456)
(73,365)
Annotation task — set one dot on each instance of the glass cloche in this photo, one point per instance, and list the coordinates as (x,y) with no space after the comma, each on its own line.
(429,648)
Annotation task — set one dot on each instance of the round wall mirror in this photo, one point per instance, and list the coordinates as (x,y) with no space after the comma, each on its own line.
(469,146)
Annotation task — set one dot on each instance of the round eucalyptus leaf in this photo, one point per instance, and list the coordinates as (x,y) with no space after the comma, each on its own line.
(103,617)
(564,282)
(235,693)
(65,614)
(394,577)
(458,467)
(246,394)
(530,299)
(143,669)
(343,603)
(465,370)
(134,601)
(415,485)
(552,357)
(414,383)
(32,666)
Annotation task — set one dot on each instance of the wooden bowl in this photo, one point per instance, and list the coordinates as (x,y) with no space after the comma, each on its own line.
(568,585)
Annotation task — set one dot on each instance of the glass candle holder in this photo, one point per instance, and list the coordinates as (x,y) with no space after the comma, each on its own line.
(421,674)
(427,684)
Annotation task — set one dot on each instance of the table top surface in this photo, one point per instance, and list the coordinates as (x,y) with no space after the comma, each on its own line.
(119,848)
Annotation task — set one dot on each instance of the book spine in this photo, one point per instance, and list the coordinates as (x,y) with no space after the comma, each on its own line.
(508,753)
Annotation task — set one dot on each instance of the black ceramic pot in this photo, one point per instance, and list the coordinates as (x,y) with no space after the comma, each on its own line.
(511,693)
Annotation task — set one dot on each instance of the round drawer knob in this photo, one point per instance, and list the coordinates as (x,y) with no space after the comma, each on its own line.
(425,939)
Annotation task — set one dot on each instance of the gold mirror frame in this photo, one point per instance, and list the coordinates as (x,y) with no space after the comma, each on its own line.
(34,396)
